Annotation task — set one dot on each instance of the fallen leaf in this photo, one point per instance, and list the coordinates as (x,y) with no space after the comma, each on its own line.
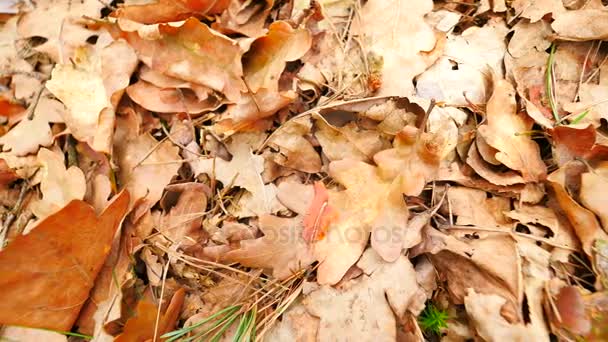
(570,143)
(169,100)
(59,186)
(535,10)
(504,131)
(48,273)
(192,52)
(244,171)
(268,55)
(91,87)
(244,17)
(485,312)
(29,134)
(56,21)
(318,216)
(21,334)
(294,150)
(463,74)
(7,175)
(593,186)
(581,25)
(365,309)
(296,325)
(571,308)
(360,212)
(145,169)
(142,326)
(348,142)
(282,248)
(162,11)
(400,39)
(415,156)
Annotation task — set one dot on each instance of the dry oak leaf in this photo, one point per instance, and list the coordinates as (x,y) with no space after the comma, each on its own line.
(91,87)
(245,17)
(191,52)
(572,142)
(249,111)
(169,100)
(460,76)
(584,222)
(535,10)
(582,25)
(21,334)
(348,141)
(486,171)
(29,134)
(163,81)
(368,205)
(48,273)
(58,185)
(296,325)
(244,171)
(484,310)
(55,20)
(592,195)
(503,132)
(141,327)
(265,61)
(294,150)
(401,38)
(415,156)
(162,11)
(473,207)
(282,248)
(365,309)
(145,174)
(181,224)
(7,174)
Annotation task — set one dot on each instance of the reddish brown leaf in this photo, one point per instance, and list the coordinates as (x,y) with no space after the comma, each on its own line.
(171,10)
(48,273)
(7,175)
(319,215)
(571,308)
(140,327)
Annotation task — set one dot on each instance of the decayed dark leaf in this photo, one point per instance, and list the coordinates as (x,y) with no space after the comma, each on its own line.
(47,274)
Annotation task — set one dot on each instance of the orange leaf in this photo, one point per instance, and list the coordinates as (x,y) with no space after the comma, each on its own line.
(9,109)
(48,273)
(140,327)
(171,10)
(7,175)
(319,215)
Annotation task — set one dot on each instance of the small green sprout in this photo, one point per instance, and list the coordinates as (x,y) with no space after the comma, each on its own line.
(433,319)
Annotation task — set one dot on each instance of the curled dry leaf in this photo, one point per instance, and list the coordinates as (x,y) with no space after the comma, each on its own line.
(415,156)
(535,10)
(162,11)
(169,100)
(58,185)
(365,308)
(191,52)
(572,142)
(245,17)
(401,38)
(267,56)
(91,87)
(48,273)
(143,325)
(282,248)
(505,132)
(294,150)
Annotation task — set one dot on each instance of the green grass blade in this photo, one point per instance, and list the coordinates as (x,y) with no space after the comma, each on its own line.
(228,317)
(218,335)
(580,117)
(176,334)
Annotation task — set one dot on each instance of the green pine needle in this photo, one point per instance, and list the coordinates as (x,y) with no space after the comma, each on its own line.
(549,83)
(433,319)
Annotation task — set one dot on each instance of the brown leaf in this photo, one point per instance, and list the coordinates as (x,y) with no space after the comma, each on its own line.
(245,17)
(365,309)
(571,307)
(140,328)
(7,175)
(348,141)
(535,10)
(192,52)
(162,11)
(268,55)
(575,142)
(294,150)
(282,248)
(48,273)
(593,192)
(169,100)
(581,25)
(504,131)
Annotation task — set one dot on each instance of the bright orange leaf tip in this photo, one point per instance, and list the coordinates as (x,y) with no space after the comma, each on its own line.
(319,215)
(48,273)
(164,11)
(141,326)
